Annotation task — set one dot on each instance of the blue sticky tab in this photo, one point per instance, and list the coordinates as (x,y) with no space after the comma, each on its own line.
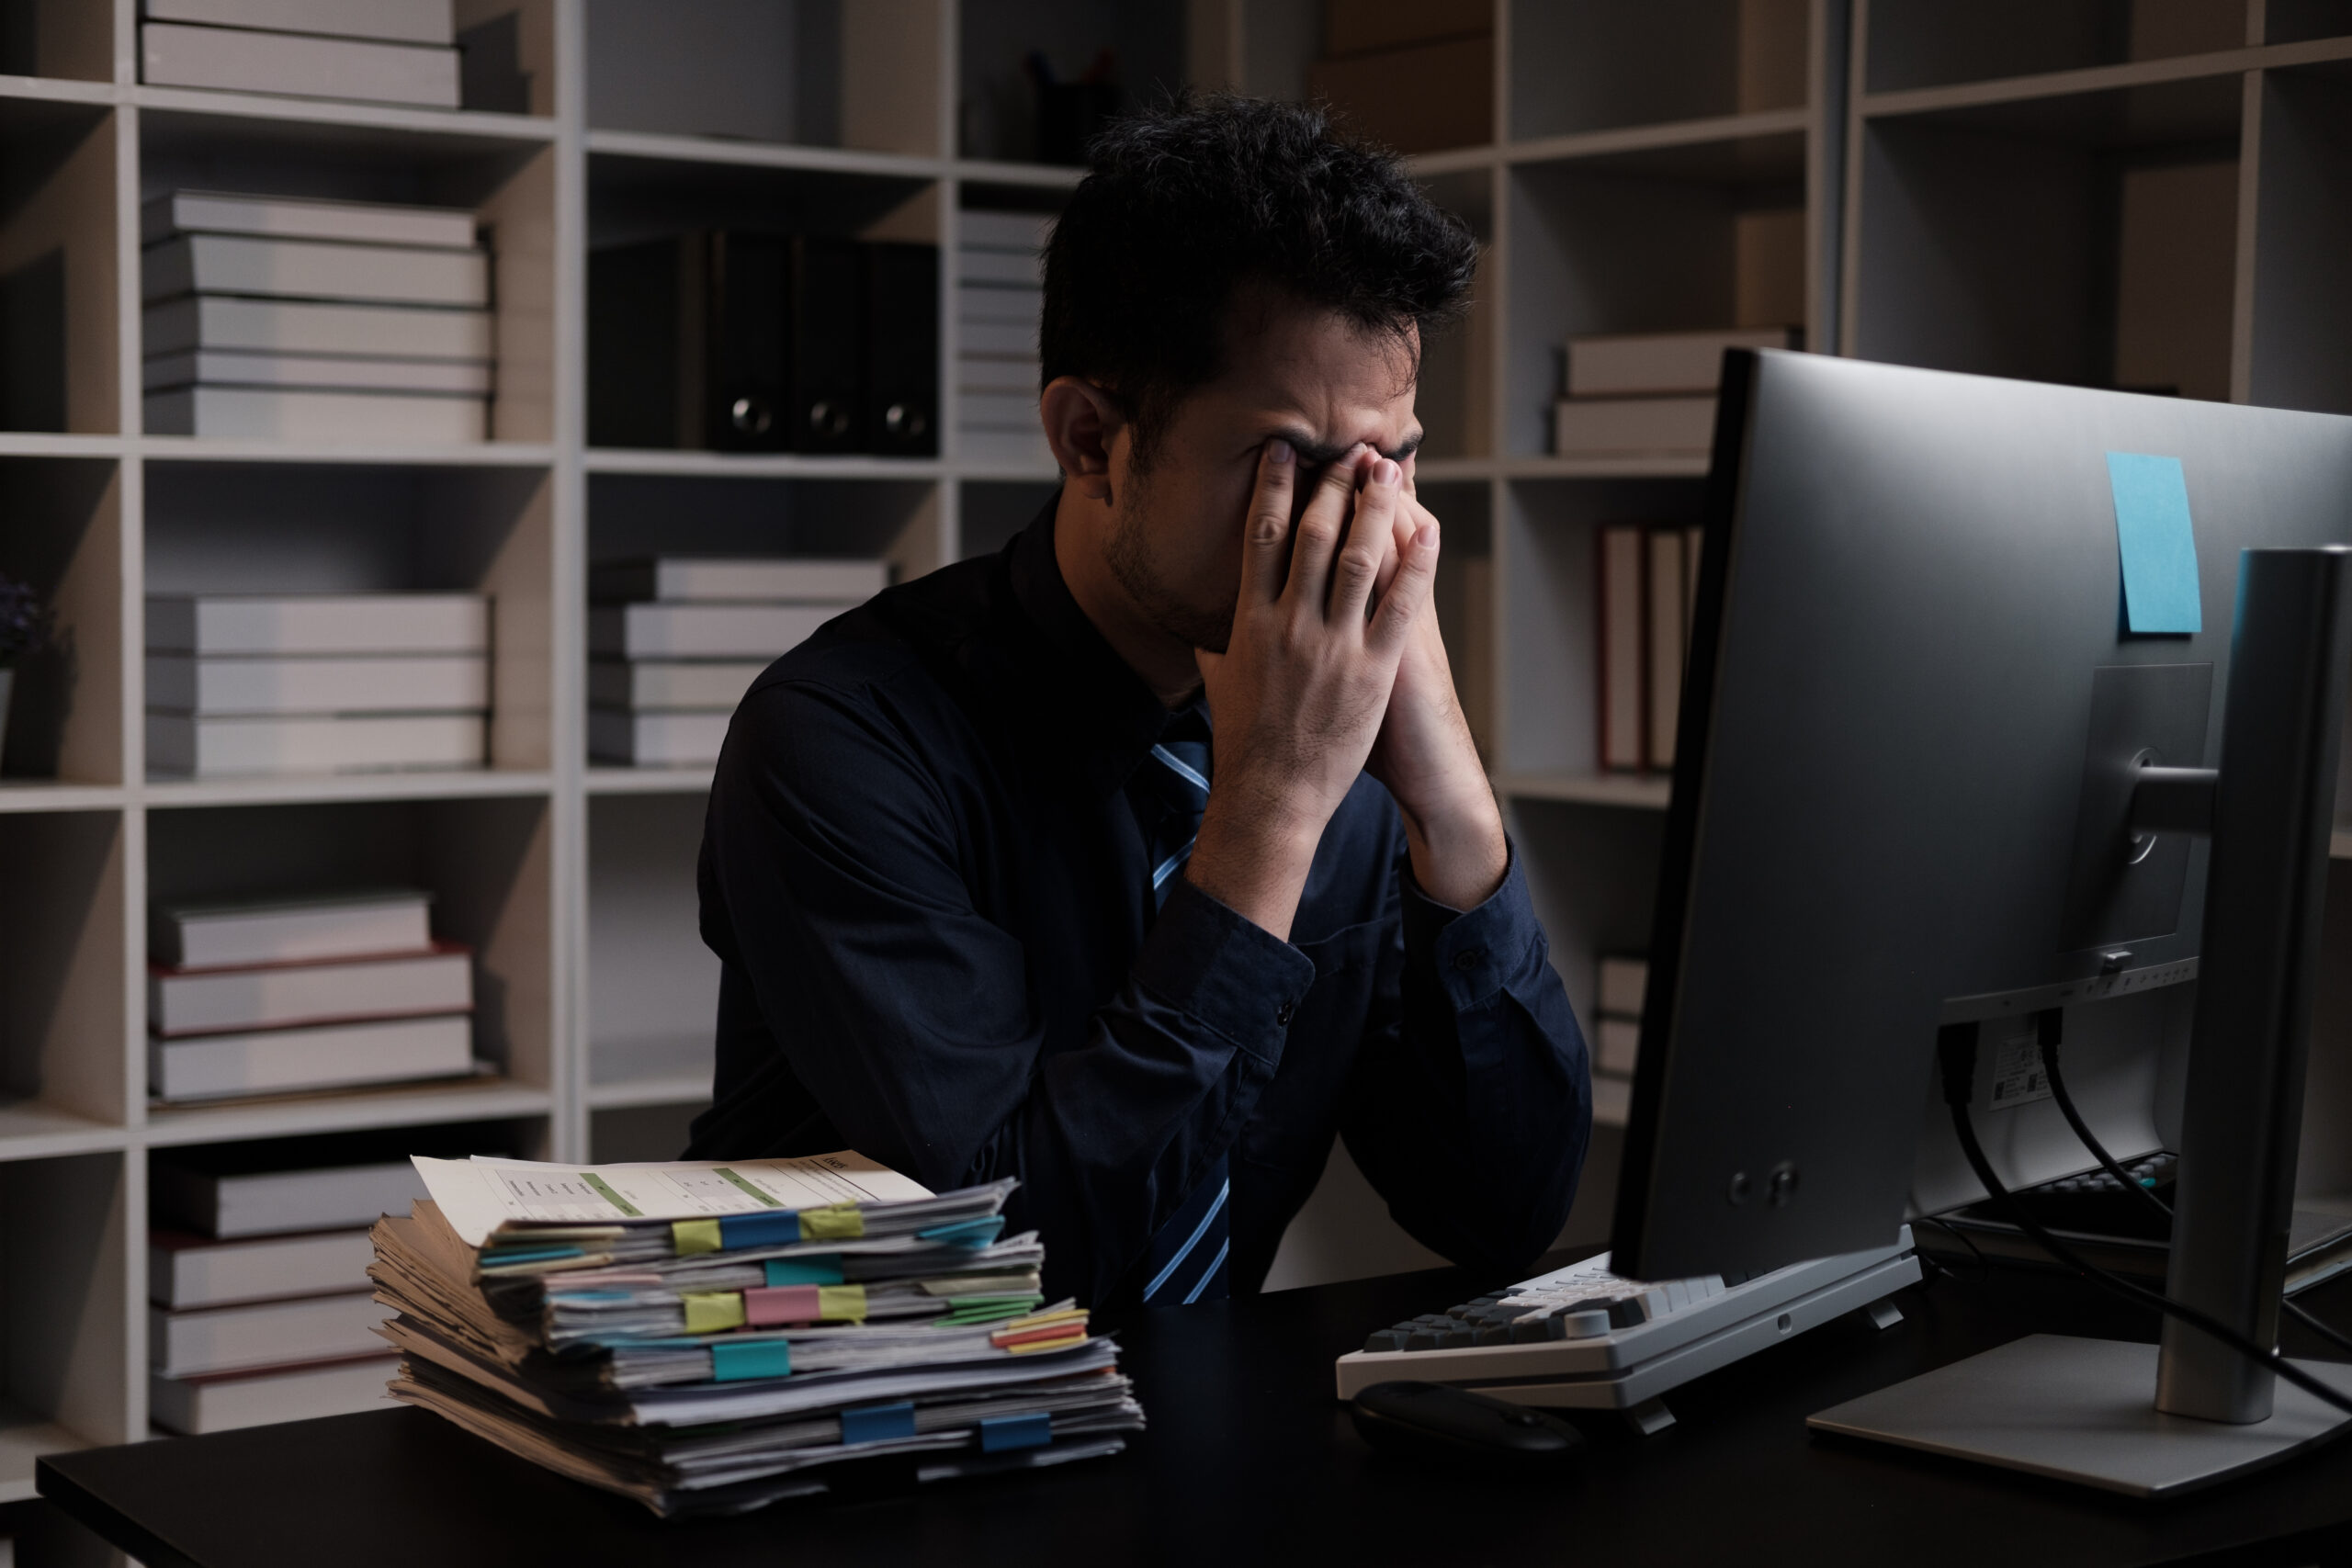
(804,1271)
(999,1434)
(966,1233)
(878,1422)
(777,1227)
(2158,544)
(760,1359)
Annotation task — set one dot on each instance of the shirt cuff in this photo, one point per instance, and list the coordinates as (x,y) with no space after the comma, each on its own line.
(1233,975)
(1474,952)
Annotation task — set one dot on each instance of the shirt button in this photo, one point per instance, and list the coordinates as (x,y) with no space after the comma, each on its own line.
(1469,958)
(1285,1013)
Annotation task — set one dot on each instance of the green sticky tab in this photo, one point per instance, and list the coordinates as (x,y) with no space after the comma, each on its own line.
(761,1358)
(2157,542)
(804,1270)
(597,1184)
(841,1304)
(713,1312)
(690,1236)
(843,1222)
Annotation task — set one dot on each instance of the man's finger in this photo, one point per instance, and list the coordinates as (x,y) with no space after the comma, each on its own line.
(1317,534)
(1371,541)
(1267,534)
(1409,596)
(1408,517)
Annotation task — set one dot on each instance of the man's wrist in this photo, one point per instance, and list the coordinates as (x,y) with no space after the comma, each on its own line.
(1254,863)
(1459,853)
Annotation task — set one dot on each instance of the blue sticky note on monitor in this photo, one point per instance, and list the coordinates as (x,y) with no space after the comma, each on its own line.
(2159,545)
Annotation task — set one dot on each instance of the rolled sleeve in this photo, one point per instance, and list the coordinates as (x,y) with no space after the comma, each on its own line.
(1222,971)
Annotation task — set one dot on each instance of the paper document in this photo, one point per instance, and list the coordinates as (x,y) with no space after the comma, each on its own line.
(479,1195)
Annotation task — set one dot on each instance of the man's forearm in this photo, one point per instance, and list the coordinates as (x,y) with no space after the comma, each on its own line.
(1458,852)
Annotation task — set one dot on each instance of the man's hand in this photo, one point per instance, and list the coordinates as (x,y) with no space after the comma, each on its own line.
(1304,683)
(1427,758)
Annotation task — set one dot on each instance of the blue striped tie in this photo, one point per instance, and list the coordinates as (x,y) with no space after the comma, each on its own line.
(1187,1262)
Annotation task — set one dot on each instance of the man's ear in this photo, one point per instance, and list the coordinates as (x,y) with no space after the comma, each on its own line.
(1082,423)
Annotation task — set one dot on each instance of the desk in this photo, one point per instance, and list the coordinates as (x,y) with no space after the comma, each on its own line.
(1249,1458)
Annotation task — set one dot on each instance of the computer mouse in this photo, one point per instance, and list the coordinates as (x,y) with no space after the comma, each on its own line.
(1427,1420)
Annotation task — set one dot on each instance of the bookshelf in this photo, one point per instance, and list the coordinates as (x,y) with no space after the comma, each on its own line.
(1638,155)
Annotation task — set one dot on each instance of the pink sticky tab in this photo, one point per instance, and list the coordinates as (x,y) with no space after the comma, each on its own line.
(774,1304)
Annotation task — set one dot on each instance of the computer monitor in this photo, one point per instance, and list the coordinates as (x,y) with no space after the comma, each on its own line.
(1896,803)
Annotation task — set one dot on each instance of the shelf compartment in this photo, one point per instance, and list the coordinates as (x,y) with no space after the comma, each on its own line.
(1582,65)
(818,74)
(1593,878)
(1548,543)
(1927,43)
(2300,351)
(70,1335)
(652,986)
(997,118)
(64,538)
(58,39)
(58,268)
(488,865)
(2090,239)
(1685,238)
(506,179)
(351,529)
(64,975)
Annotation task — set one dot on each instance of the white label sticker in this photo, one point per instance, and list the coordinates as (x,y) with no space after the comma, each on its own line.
(2018,1075)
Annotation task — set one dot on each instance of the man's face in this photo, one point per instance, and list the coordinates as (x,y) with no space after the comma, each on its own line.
(1295,371)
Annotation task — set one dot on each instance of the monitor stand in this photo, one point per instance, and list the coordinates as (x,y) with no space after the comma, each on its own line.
(2149,1420)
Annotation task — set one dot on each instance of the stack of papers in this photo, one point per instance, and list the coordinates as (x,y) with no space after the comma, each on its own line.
(708,1338)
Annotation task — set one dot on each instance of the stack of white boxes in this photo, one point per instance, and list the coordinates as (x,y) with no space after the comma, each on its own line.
(377,51)
(343,321)
(1649,394)
(1617,1031)
(674,644)
(286,997)
(1000,299)
(261,1306)
(316,683)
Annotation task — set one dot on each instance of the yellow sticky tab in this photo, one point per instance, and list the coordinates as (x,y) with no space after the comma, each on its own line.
(690,1236)
(1068,1314)
(714,1312)
(841,1222)
(841,1304)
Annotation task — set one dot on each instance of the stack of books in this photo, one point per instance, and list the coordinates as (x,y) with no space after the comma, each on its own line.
(1649,394)
(707,1338)
(260,1305)
(674,643)
(316,683)
(279,996)
(1617,1043)
(1648,582)
(1000,299)
(376,52)
(345,322)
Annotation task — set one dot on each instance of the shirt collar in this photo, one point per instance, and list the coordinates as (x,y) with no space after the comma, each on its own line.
(1100,707)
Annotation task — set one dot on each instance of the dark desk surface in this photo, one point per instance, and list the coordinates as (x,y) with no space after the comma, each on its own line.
(1249,1458)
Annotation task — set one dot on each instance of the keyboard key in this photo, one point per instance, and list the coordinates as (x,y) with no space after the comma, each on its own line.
(1385,1339)
(1492,1334)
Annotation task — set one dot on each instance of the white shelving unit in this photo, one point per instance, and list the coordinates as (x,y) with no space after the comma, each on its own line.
(1632,147)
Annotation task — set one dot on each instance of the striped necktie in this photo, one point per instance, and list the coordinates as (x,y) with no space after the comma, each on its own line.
(1169,790)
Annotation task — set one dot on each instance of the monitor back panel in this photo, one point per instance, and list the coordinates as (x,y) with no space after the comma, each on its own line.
(1908,661)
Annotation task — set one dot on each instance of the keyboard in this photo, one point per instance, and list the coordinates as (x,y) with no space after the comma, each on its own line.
(1583,1338)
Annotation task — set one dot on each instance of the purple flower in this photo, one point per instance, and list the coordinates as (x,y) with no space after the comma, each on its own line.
(25,624)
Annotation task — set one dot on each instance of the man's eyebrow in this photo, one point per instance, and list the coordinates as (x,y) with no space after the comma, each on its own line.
(1319,454)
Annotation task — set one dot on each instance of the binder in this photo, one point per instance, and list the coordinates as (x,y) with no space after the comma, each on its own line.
(823,329)
(901,349)
(745,346)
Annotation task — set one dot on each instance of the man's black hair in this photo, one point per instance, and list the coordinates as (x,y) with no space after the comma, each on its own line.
(1185,205)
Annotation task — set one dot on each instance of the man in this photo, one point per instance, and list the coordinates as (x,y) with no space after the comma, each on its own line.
(989,900)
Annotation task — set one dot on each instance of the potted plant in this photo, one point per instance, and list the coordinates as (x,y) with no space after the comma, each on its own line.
(25,630)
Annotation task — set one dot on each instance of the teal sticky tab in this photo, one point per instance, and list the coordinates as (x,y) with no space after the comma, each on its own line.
(760,1359)
(2158,544)
(878,1424)
(1002,1434)
(804,1270)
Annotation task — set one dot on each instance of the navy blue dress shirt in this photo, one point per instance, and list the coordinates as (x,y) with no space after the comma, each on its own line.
(931,901)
